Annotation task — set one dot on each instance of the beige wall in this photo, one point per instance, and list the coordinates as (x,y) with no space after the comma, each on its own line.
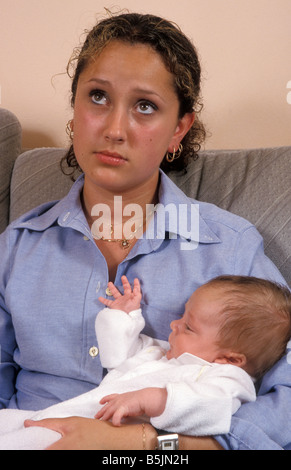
(245,48)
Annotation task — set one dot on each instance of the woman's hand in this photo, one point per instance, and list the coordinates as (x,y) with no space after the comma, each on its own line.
(72,432)
(91,434)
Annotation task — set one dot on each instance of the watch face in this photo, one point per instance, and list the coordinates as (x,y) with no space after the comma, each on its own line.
(168,442)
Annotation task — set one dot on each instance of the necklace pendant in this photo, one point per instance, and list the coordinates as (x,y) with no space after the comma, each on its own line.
(125,244)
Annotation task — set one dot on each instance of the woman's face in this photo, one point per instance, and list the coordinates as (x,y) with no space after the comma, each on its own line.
(126,118)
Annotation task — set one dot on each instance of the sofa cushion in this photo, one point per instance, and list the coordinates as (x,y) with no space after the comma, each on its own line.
(10,145)
(37,178)
(255,184)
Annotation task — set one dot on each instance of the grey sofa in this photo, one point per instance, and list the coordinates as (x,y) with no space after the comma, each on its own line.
(255,184)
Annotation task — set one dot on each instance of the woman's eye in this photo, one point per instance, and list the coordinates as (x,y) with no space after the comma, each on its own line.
(98,97)
(145,107)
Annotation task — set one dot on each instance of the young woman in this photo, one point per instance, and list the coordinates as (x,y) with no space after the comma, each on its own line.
(135,97)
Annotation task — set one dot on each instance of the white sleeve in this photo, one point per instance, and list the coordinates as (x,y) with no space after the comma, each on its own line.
(204,407)
(118,335)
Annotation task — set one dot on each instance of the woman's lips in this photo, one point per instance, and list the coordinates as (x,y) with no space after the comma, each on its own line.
(110,158)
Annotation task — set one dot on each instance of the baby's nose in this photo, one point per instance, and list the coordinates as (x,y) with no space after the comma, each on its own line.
(174,325)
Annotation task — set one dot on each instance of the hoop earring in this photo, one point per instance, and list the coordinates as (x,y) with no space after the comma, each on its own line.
(69,129)
(175,155)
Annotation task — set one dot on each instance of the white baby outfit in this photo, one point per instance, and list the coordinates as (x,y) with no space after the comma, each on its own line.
(202,396)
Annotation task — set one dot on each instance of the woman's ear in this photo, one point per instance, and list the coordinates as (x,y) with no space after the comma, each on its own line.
(183,126)
(234,358)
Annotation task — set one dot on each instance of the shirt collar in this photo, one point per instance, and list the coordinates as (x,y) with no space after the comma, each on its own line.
(188,214)
(178,208)
(187,358)
(66,212)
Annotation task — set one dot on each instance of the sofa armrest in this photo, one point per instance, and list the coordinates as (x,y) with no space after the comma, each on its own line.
(10,147)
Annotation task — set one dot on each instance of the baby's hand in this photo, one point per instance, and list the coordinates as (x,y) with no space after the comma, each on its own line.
(118,406)
(129,301)
(147,401)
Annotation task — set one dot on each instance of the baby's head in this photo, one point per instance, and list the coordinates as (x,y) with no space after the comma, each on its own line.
(239,320)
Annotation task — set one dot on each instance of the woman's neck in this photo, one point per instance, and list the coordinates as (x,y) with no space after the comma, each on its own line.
(122,206)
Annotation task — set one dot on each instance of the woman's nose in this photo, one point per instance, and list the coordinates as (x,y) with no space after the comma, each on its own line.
(116,126)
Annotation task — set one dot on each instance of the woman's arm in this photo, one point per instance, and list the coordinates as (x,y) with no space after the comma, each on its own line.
(265,423)
(262,425)
(91,434)
(198,443)
(8,367)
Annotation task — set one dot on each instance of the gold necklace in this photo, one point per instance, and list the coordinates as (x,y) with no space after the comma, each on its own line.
(124,242)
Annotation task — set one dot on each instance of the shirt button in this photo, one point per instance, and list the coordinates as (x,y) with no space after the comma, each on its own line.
(108,292)
(93,351)
(86,238)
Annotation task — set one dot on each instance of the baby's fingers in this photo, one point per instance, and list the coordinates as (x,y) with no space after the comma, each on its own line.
(107,398)
(105,413)
(104,409)
(109,410)
(136,287)
(114,291)
(126,286)
(105,302)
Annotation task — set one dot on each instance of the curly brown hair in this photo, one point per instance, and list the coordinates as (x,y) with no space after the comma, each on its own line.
(178,54)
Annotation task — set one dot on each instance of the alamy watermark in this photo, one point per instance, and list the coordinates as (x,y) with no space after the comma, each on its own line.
(180,220)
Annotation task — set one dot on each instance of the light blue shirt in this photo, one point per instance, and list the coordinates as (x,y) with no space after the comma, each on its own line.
(52,273)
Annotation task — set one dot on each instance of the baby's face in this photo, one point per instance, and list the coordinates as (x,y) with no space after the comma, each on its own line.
(196,332)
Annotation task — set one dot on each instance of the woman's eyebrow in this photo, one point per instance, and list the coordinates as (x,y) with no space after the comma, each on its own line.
(99,80)
(146,91)
(139,90)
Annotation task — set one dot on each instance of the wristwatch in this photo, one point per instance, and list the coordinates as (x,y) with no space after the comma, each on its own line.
(167,440)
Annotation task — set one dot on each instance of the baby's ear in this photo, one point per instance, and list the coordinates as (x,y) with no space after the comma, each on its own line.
(234,358)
